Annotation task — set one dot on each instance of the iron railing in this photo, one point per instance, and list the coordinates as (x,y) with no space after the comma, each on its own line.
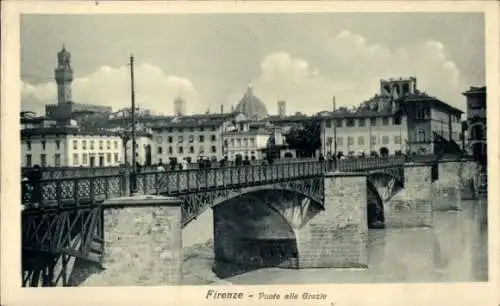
(94,189)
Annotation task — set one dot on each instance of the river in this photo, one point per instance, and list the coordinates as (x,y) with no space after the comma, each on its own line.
(453,250)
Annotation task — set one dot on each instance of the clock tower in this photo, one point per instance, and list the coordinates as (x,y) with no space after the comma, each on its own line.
(63,76)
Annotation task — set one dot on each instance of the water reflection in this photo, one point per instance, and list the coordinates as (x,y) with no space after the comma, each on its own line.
(454,249)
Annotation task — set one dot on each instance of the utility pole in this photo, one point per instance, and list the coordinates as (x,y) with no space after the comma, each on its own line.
(133,187)
(334,129)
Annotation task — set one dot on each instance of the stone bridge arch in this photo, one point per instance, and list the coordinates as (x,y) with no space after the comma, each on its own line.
(196,203)
(257,228)
(382,186)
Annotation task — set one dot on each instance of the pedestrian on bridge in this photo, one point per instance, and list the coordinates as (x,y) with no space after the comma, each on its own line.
(34,176)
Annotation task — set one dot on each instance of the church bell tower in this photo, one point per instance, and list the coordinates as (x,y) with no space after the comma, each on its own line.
(63,76)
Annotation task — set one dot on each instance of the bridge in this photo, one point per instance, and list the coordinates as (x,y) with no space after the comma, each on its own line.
(74,215)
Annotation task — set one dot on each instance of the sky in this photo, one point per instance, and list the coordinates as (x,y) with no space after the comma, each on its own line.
(209,59)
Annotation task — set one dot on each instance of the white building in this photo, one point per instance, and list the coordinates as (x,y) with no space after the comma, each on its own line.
(363,133)
(69,147)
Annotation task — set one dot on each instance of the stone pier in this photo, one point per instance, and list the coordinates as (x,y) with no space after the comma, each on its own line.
(337,236)
(142,242)
(454,184)
(413,207)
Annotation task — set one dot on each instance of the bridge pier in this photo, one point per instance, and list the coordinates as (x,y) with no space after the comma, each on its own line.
(142,242)
(455,183)
(337,236)
(413,207)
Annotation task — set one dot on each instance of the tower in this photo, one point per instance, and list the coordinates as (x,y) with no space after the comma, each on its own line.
(179,106)
(281,108)
(63,76)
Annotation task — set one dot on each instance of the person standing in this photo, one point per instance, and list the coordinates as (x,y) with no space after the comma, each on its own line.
(34,177)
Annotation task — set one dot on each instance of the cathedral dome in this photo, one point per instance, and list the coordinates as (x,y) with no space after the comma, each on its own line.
(251,106)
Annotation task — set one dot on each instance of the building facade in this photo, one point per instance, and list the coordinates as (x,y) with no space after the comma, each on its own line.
(476,121)
(193,137)
(399,119)
(69,147)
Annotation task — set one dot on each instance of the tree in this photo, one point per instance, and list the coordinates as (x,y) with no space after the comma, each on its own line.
(305,140)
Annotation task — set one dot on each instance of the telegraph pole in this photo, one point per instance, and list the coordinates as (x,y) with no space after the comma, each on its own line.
(133,187)
(334,128)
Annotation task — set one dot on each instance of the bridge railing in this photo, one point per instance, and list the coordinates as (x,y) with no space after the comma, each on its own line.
(93,189)
(196,180)
(73,191)
(75,172)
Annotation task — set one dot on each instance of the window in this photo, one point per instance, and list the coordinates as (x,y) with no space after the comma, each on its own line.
(214,149)
(84,144)
(213,138)
(361,121)
(58,144)
(170,139)
(75,144)
(108,158)
(43,144)
(169,130)
(28,160)
(75,159)
(373,140)
(43,160)
(232,143)
(101,144)
(170,150)
(191,149)
(397,120)
(191,129)
(214,128)
(180,130)
(329,140)
(338,123)
(252,141)
(57,160)
(385,121)
(350,122)
(202,138)
(28,144)
(202,129)
(361,140)
(238,142)
(92,145)
(350,140)
(108,144)
(160,150)
(328,123)
(191,138)
(116,144)
(116,158)
(420,135)
(180,139)
(202,149)
(339,141)
(84,158)
(397,139)
(373,121)
(385,140)
(421,112)
(245,142)
(180,150)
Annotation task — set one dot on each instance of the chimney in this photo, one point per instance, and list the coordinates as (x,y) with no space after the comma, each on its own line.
(222,109)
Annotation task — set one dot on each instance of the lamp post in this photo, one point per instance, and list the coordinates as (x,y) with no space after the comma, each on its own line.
(133,186)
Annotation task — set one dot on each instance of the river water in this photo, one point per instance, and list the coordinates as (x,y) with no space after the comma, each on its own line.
(453,250)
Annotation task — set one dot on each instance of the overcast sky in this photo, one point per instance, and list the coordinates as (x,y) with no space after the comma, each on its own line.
(209,59)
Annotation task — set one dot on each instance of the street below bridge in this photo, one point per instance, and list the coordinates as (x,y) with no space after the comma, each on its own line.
(454,249)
